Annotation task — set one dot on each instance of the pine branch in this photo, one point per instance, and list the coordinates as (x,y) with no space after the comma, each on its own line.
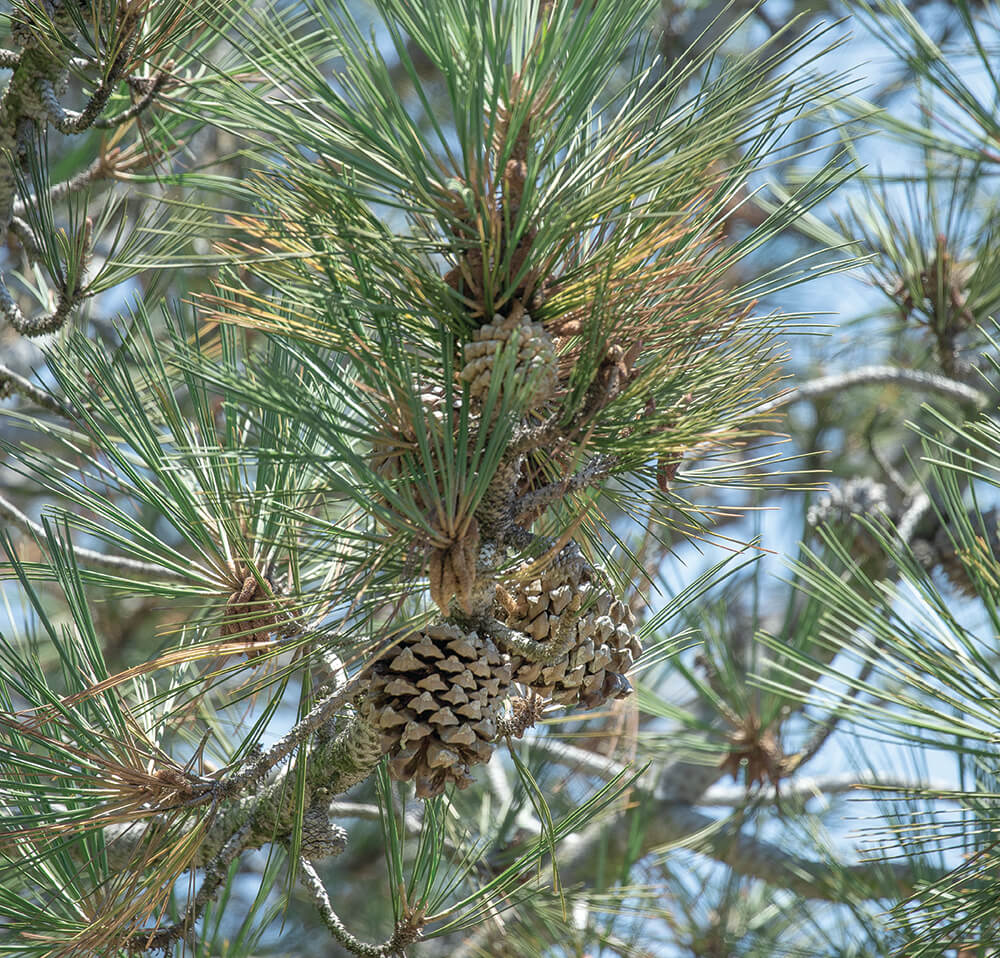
(11,383)
(70,122)
(372,813)
(908,523)
(821,734)
(579,759)
(26,237)
(153,85)
(804,788)
(215,873)
(336,762)
(27,105)
(390,162)
(524,438)
(670,821)
(532,505)
(133,567)
(260,767)
(878,376)
(547,652)
(103,167)
(671,824)
(44,323)
(407,929)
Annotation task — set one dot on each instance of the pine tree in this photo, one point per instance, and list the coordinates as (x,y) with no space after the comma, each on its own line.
(346,588)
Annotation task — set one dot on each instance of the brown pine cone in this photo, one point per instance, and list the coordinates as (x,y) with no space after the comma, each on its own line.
(434,699)
(535,362)
(603,646)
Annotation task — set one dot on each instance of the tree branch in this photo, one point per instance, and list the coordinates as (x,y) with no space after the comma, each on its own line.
(828,726)
(525,438)
(906,528)
(11,383)
(258,769)
(667,821)
(69,122)
(803,788)
(145,570)
(578,759)
(102,168)
(335,763)
(668,824)
(215,874)
(38,325)
(407,929)
(26,237)
(153,86)
(531,505)
(546,652)
(371,813)
(874,376)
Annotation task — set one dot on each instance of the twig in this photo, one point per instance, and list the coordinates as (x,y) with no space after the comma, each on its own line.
(672,822)
(525,438)
(153,85)
(101,168)
(531,505)
(825,786)
(544,652)
(215,874)
(269,812)
(828,726)
(675,825)
(11,383)
(877,375)
(578,759)
(907,526)
(26,236)
(407,929)
(891,472)
(38,325)
(12,514)
(69,122)
(257,770)
(372,813)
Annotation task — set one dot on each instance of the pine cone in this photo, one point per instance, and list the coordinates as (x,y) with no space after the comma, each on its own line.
(602,648)
(535,363)
(434,698)
(251,614)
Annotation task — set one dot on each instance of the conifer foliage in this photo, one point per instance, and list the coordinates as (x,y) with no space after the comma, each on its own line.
(465,319)
(119,59)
